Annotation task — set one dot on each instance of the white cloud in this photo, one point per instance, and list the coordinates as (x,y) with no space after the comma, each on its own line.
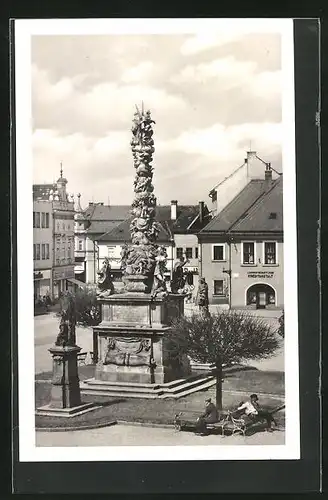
(83,104)
(226,69)
(227,31)
(138,73)
(223,142)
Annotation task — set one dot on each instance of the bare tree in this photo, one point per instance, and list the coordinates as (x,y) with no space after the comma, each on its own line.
(221,339)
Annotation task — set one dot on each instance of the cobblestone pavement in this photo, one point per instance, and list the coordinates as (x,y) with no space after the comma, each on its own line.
(45,333)
(133,435)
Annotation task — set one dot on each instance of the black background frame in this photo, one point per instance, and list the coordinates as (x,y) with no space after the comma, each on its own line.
(268,476)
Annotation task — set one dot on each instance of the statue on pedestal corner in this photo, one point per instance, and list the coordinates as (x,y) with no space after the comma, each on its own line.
(159,284)
(202,297)
(178,279)
(105,285)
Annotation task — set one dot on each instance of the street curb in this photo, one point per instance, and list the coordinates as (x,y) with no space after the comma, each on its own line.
(145,424)
(81,428)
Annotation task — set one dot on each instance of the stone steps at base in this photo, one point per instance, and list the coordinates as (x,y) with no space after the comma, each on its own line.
(137,385)
(109,393)
(183,389)
(189,385)
(191,390)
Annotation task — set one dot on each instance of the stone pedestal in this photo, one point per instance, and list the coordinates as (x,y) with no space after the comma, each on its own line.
(134,357)
(132,339)
(65,391)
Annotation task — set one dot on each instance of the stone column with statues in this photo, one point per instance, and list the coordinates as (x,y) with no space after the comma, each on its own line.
(65,390)
(134,358)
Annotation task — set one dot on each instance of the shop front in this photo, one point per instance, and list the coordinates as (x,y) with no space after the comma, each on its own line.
(61,283)
(42,284)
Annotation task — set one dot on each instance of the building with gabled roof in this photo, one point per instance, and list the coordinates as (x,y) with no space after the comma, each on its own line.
(242,247)
(53,235)
(102,237)
(229,187)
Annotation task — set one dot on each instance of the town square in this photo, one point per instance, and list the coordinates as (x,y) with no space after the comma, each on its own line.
(158,240)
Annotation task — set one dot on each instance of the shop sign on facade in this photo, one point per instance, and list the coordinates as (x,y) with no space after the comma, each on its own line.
(260,274)
(40,275)
(60,274)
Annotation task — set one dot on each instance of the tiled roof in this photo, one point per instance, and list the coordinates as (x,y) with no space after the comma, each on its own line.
(237,207)
(185,217)
(104,218)
(267,213)
(243,213)
(107,212)
(121,232)
(102,226)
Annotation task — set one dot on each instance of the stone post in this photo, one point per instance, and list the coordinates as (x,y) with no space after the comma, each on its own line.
(65,391)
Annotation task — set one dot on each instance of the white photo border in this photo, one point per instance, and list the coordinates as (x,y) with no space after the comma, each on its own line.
(28,452)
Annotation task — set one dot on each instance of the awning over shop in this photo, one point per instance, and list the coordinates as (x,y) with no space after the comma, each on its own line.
(77,282)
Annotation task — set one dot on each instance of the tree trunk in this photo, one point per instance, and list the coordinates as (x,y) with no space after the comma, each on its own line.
(95,346)
(218,387)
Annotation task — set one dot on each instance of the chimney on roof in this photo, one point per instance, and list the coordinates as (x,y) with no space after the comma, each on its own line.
(268,173)
(201,211)
(174,209)
(251,157)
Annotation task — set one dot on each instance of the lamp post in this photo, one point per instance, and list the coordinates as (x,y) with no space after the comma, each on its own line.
(229,272)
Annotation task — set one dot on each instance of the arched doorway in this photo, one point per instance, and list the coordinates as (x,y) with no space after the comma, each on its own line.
(260,295)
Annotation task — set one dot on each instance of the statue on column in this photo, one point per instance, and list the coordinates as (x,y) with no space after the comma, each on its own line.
(178,279)
(105,285)
(67,325)
(159,285)
(202,297)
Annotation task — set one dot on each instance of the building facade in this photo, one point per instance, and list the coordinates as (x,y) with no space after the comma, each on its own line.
(102,230)
(241,249)
(42,248)
(61,228)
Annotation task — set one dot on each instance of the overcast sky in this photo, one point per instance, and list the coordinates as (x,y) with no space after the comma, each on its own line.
(209,97)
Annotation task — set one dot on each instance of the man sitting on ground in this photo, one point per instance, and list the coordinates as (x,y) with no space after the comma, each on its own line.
(210,416)
(253,410)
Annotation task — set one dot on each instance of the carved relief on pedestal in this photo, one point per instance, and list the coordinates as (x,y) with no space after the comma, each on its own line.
(128,352)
